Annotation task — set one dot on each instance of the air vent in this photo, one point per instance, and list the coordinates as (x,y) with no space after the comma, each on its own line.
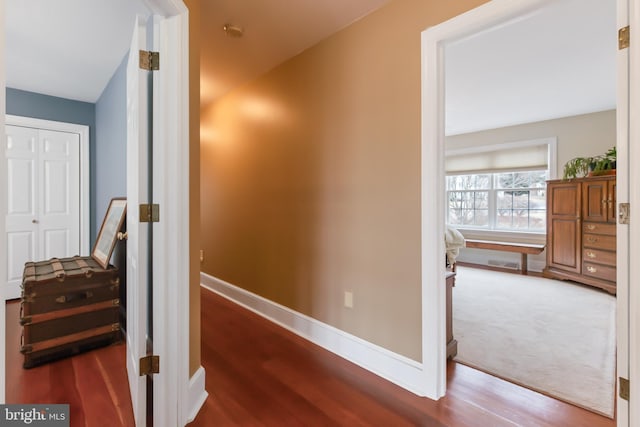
(504,264)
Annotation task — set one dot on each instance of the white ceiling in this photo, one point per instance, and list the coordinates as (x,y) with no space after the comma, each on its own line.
(67,48)
(556,63)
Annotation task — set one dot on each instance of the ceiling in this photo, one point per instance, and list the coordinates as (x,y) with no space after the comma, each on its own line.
(67,48)
(274,31)
(554,63)
(557,62)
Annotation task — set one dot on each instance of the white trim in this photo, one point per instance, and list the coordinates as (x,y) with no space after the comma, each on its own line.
(3,203)
(434,40)
(85,166)
(622,195)
(394,367)
(197,393)
(634,227)
(171,235)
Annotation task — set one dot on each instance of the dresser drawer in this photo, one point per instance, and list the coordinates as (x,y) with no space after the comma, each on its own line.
(600,257)
(599,228)
(598,241)
(599,271)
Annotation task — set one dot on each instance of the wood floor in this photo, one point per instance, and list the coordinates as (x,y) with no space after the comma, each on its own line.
(94,384)
(258,374)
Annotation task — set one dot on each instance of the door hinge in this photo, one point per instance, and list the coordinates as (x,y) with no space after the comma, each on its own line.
(624,388)
(624,213)
(150,213)
(149,60)
(149,365)
(623,38)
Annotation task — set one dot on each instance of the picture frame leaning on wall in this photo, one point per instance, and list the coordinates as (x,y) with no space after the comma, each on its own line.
(111,225)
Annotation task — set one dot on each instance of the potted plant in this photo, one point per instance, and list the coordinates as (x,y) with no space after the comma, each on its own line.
(580,167)
(576,168)
(604,164)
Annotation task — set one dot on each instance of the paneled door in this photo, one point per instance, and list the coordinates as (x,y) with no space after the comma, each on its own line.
(43,198)
(138,327)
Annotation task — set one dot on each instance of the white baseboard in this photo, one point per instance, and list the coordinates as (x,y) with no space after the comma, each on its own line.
(197,393)
(398,369)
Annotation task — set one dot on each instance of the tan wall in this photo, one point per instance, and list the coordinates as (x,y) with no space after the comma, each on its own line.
(578,136)
(311,178)
(194,184)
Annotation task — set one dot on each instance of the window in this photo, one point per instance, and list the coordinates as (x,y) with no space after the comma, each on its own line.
(513,201)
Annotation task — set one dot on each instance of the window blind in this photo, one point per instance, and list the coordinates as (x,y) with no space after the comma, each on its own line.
(494,159)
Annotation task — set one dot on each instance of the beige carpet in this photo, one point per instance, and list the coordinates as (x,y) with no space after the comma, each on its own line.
(552,336)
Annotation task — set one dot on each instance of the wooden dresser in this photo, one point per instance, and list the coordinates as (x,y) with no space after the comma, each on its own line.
(581,231)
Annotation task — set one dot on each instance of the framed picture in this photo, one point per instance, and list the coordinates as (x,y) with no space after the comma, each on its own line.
(111,224)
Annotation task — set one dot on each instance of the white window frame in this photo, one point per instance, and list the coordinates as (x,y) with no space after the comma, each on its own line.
(492,203)
(552,164)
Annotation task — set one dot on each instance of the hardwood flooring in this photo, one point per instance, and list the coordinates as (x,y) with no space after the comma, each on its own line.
(94,384)
(258,374)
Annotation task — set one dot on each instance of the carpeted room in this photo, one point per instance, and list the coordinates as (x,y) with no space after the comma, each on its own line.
(552,336)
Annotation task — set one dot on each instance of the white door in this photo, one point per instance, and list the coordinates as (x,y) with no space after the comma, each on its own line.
(137,254)
(43,198)
(622,196)
(629,133)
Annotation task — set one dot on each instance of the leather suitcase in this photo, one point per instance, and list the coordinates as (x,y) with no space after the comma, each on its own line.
(68,305)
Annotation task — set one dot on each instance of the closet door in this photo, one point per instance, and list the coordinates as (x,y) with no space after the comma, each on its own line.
(59,193)
(43,198)
(22,200)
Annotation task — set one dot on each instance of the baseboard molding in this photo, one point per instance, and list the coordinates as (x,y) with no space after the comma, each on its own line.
(398,369)
(500,269)
(197,393)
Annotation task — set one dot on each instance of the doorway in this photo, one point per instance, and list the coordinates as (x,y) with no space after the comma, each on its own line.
(435,42)
(172,386)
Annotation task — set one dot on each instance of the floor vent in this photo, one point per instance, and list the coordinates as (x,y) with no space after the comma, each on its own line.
(504,264)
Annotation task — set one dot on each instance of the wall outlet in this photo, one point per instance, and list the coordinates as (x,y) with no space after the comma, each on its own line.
(201,255)
(348,299)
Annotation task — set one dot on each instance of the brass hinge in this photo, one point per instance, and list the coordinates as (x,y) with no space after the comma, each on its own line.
(624,388)
(149,365)
(150,213)
(149,60)
(623,38)
(624,212)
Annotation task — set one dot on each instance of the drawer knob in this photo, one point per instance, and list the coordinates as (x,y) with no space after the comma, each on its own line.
(592,269)
(591,227)
(592,239)
(591,255)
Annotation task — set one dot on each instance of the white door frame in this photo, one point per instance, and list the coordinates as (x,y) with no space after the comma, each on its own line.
(623,235)
(3,204)
(634,228)
(434,41)
(83,132)
(171,235)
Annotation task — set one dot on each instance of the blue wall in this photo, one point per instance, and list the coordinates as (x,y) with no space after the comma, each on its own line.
(29,104)
(111,141)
